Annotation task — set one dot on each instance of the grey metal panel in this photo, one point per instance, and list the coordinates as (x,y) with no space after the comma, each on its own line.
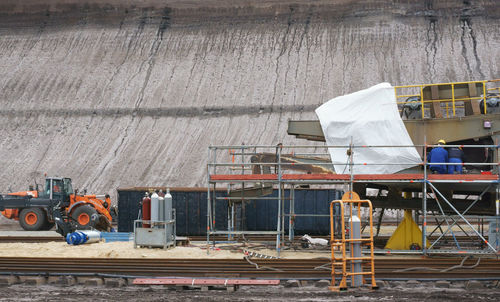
(153,237)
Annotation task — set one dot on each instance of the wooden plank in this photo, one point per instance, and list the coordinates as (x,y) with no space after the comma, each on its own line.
(203,281)
(472,106)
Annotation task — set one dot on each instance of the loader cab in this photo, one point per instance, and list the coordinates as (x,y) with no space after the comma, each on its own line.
(58,188)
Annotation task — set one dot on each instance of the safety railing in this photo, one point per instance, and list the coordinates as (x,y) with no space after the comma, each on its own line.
(276,160)
(473,96)
(258,166)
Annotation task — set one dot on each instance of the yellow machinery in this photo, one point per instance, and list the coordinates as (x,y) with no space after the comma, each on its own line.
(407,235)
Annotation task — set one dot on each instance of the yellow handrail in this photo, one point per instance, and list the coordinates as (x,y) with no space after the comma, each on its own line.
(453,99)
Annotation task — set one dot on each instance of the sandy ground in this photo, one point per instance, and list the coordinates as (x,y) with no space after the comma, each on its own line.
(127,250)
(194,250)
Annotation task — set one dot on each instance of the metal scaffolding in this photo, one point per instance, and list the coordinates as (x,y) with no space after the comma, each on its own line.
(246,178)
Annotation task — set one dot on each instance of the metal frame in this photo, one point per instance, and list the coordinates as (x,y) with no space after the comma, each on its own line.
(220,163)
(165,243)
(452,100)
(342,243)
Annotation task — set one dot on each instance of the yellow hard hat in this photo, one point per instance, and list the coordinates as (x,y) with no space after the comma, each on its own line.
(442,141)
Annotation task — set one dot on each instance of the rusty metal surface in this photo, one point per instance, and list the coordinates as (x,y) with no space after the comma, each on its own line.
(309,164)
(387,267)
(203,281)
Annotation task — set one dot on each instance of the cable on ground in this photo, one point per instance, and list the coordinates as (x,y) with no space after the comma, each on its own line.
(262,267)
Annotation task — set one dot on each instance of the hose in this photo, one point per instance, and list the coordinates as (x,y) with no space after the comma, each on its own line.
(323,266)
(261,267)
(423,268)
(461,265)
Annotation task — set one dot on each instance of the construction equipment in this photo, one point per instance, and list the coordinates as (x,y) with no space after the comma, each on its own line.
(455,112)
(460,114)
(57,204)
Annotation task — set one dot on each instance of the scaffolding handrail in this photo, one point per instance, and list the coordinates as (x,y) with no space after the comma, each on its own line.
(227,147)
(356,164)
(484,95)
(273,161)
(282,158)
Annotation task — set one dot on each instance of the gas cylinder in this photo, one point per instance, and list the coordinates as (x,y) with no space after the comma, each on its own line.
(168,215)
(81,237)
(161,208)
(146,210)
(154,208)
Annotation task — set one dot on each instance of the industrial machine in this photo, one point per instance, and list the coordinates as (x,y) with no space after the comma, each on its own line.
(57,204)
(462,113)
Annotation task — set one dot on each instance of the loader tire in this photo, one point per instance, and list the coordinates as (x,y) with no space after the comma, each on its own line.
(32,219)
(83,217)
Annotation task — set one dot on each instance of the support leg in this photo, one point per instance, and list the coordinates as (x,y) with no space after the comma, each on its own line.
(379,222)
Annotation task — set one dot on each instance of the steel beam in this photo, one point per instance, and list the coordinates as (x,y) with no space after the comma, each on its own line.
(449,129)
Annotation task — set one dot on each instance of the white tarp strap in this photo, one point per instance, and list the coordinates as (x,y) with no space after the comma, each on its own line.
(371,118)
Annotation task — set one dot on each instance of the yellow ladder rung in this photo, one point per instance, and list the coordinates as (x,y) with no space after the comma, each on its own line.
(361,273)
(361,239)
(358,258)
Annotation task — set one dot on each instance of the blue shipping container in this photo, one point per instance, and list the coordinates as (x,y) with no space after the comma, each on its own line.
(260,215)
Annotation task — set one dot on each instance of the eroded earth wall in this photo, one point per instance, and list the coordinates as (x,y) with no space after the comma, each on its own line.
(131,93)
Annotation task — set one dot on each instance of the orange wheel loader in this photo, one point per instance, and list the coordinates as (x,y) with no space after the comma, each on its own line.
(57,205)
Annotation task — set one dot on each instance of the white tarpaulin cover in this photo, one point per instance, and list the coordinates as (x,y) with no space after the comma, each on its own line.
(371,118)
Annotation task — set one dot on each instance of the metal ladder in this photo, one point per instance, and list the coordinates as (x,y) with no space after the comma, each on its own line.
(344,266)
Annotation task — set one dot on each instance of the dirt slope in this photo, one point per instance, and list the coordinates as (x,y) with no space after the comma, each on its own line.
(127,93)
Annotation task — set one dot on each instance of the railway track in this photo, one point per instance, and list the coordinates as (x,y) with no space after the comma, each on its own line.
(33,239)
(429,268)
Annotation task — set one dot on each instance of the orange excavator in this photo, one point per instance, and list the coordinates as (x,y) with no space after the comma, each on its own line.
(57,205)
